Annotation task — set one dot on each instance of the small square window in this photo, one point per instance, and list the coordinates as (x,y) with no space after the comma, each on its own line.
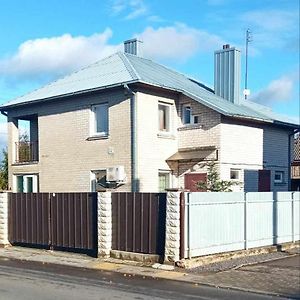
(164,117)
(279,176)
(196,119)
(235,174)
(100,119)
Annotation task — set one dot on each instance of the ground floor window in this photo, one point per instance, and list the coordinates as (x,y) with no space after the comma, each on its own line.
(279,177)
(163,181)
(26,183)
(98,180)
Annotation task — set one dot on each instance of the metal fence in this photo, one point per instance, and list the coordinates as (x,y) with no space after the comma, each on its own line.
(54,220)
(138,222)
(221,222)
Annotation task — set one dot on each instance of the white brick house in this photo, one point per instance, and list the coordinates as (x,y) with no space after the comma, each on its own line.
(158,125)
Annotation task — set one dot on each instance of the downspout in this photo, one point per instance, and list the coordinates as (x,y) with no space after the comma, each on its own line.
(134,187)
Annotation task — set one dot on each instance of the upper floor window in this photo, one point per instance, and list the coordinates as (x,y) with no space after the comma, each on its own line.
(188,117)
(186,114)
(164,117)
(100,119)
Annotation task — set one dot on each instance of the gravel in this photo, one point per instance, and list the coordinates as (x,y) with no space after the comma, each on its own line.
(236,262)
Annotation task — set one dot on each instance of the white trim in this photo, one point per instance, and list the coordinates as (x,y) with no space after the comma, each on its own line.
(93,120)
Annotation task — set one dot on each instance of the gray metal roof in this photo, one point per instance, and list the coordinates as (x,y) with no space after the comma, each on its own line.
(121,68)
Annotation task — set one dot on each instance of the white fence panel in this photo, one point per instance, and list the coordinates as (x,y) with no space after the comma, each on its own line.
(260,219)
(216,222)
(221,222)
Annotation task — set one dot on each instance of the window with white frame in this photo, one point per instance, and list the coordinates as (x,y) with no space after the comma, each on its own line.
(279,177)
(235,174)
(26,184)
(99,124)
(164,117)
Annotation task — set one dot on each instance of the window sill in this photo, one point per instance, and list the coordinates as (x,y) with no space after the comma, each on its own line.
(25,163)
(166,135)
(190,127)
(97,137)
(280,183)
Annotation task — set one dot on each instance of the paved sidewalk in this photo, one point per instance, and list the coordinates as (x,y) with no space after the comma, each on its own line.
(276,277)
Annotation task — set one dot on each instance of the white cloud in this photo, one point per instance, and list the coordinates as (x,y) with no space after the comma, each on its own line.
(177,42)
(57,55)
(273,28)
(131,9)
(278,90)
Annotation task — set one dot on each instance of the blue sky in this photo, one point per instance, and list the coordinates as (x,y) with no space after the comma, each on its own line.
(43,40)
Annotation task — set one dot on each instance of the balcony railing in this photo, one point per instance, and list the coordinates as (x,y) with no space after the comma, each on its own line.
(26,152)
(295,170)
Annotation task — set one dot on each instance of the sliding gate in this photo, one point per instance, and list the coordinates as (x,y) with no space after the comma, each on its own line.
(62,221)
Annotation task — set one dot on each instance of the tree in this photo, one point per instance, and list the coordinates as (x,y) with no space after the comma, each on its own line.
(4,171)
(213,182)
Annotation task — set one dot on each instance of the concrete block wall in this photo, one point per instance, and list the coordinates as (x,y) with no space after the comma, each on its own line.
(4,219)
(104,224)
(172,245)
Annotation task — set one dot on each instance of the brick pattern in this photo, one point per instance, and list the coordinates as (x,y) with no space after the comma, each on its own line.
(4,219)
(104,224)
(66,156)
(172,227)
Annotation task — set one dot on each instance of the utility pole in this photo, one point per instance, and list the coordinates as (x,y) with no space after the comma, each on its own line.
(248,40)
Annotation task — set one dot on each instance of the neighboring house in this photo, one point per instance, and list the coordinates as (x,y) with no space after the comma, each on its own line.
(129,123)
(296,165)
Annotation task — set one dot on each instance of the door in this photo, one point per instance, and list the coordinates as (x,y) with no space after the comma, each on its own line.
(191,179)
(264,180)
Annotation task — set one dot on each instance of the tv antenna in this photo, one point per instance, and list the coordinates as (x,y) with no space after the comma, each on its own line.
(249,38)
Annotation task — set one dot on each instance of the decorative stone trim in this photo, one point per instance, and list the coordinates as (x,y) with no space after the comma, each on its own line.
(4,219)
(172,227)
(104,224)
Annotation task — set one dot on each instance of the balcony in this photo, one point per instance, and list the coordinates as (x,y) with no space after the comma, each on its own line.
(295,170)
(26,152)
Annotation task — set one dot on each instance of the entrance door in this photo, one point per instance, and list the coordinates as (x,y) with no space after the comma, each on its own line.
(264,180)
(191,179)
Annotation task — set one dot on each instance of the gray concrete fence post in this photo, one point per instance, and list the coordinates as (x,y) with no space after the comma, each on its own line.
(172,245)
(4,219)
(104,224)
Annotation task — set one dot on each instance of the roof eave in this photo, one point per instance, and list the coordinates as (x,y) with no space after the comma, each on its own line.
(5,107)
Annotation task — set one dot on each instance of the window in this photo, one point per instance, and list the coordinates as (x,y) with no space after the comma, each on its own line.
(186,114)
(164,117)
(98,180)
(163,181)
(26,184)
(187,117)
(279,176)
(100,119)
(234,174)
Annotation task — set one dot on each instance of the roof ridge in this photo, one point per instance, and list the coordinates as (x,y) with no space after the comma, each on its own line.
(129,67)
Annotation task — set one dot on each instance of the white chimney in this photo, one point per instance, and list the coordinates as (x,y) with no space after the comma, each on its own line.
(228,73)
(133,46)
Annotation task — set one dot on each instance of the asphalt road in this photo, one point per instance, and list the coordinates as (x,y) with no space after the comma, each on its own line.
(29,281)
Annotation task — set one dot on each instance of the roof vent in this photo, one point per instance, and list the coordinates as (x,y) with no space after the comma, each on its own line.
(133,46)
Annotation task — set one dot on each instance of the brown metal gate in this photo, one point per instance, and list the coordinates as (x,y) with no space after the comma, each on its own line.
(139,222)
(66,221)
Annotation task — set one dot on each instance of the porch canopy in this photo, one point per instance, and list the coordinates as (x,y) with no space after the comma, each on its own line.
(195,154)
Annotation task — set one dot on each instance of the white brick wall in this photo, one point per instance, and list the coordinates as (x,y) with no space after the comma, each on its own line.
(66,156)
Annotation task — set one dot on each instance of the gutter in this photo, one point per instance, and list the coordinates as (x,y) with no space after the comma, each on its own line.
(134,179)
